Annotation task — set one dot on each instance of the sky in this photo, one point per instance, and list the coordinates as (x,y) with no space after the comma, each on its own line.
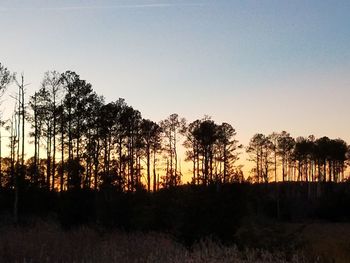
(261,66)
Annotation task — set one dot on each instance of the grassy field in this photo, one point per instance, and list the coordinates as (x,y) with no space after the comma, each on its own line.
(295,243)
(49,243)
(329,240)
(320,241)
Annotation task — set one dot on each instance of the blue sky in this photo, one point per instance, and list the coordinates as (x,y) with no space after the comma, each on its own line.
(262,66)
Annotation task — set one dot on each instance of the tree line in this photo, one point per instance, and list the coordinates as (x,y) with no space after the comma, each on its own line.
(302,159)
(81,141)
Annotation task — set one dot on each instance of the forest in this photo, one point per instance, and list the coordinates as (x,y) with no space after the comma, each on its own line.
(80,141)
(73,158)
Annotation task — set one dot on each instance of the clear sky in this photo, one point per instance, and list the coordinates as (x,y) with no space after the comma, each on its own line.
(262,66)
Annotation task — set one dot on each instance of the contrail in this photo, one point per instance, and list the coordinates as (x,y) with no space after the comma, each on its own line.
(120,6)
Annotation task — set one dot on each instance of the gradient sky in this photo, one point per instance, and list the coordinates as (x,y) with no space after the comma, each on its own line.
(262,66)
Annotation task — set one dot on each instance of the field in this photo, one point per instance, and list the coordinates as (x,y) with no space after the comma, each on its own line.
(47,242)
(330,240)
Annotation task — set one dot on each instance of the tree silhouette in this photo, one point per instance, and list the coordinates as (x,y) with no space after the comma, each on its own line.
(20,134)
(110,145)
(206,135)
(150,132)
(78,103)
(285,146)
(130,121)
(45,108)
(53,83)
(301,155)
(6,77)
(36,121)
(192,153)
(213,148)
(173,127)
(259,151)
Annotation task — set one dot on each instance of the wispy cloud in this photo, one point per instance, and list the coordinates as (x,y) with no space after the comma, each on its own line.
(102,7)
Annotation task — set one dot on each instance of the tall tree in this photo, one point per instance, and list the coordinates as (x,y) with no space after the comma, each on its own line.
(130,119)
(339,152)
(228,146)
(285,145)
(151,138)
(6,77)
(212,149)
(273,138)
(53,83)
(206,135)
(77,101)
(192,149)
(302,154)
(322,146)
(260,151)
(36,122)
(173,127)
(20,171)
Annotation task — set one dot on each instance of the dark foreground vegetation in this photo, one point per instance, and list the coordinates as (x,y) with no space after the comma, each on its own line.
(48,243)
(234,217)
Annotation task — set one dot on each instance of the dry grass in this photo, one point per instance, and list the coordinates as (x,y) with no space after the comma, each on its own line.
(329,240)
(49,243)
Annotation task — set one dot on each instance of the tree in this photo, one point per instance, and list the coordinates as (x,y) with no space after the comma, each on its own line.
(44,104)
(93,144)
(273,138)
(36,122)
(229,146)
(192,152)
(173,127)
(77,102)
(339,156)
(150,132)
(260,151)
(255,151)
(6,77)
(302,154)
(322,154)
(52,82)
(20,171)
(285,145)
(130,121)
(213,148)
(330,154)
(206,135)
(109,135)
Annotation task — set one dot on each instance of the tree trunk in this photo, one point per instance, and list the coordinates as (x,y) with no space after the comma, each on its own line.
(148,168)
(154,171)
(54,145)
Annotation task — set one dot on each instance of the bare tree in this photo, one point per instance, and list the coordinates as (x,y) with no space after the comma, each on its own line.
(20,171)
